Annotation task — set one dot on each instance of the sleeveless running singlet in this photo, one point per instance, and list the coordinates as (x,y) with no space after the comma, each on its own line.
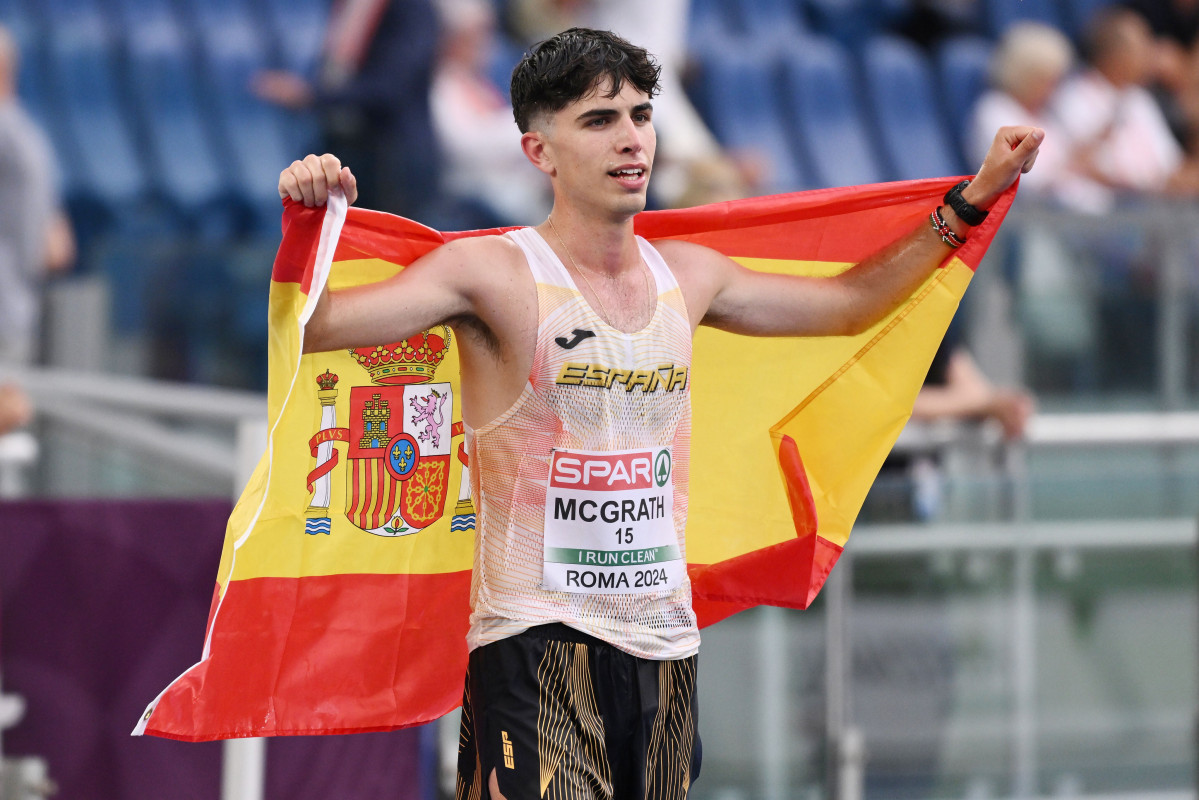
(581,485)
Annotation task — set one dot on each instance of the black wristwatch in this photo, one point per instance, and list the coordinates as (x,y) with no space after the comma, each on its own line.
(966,212)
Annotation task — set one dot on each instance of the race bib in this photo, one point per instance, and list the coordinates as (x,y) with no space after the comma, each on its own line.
(609,523)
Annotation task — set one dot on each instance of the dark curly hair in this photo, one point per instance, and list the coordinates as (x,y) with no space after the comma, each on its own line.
(556,72)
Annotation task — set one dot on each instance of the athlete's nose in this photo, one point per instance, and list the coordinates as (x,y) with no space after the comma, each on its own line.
(630,138)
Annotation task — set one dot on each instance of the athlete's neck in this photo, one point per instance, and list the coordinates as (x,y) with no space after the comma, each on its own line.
(598,246)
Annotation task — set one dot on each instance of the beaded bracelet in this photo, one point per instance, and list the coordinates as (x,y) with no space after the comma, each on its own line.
(943,230)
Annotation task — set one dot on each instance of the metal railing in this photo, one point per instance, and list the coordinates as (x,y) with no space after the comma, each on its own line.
(151,418)
(1155,239)
(1018,536)
(110,407)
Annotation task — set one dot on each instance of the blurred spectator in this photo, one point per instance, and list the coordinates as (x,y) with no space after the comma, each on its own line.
(372,97)
(1057,314)
(488,180)
(1175,85)
(534,20)
(1176,21)
(15,408)
(1028,65)
(1122,139)
(35,236)
(712,180)
(661,28)
(955,389)
(1123,143)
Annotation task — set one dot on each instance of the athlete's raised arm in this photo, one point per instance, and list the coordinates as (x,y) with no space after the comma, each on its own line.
(725,295)
(449,284)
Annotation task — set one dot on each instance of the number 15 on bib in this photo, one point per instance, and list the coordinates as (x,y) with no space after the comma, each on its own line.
(609,523)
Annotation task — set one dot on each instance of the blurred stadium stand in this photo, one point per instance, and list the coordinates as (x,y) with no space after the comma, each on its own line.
(961,65)
(739,94)
(169,162)
(1000,14)
(824,106)
(165,152)
(169,167)
(913,133)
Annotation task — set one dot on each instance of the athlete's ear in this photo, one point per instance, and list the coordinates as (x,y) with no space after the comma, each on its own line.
(537,149)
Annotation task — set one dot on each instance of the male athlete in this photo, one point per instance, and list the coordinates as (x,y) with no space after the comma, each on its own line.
(581,677)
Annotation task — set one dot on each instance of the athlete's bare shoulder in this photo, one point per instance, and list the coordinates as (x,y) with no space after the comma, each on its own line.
(699,270)
(480,252)
(499,295)
(686,254)
(474,266)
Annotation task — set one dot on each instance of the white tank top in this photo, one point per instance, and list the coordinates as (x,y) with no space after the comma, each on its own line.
(581,485)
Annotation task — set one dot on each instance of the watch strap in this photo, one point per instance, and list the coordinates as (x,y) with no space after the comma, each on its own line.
(966,212)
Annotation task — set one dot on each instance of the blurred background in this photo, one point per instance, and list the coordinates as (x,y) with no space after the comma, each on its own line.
(1017,613)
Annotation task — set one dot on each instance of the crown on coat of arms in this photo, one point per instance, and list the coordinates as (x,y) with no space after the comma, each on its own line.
(413,360)
(327,381)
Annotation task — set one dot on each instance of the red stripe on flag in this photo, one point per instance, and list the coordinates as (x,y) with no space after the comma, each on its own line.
(364,489)
(799,491)
(297,252)
(382,493)
(401,663)
(787,574)
(353,506)
(843,224)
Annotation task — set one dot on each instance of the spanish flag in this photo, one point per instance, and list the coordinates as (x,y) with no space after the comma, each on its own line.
(341,601)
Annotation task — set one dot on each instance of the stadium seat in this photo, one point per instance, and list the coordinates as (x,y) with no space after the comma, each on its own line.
(209,16)
(162,81)
(252,132)
(738,90)
(962,65)
(31,66)
(507,54)
(299,28)
(770,22)
(135,15)
(900,87)
(20,20)
(207,11)
(847,21)
(711,24)
(1000,14)
(109,173)
(824,106)
(39,95)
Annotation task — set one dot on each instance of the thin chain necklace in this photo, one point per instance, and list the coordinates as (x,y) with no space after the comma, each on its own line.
(607,316)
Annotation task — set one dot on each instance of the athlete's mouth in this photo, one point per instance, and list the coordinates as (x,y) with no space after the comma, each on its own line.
(628,172)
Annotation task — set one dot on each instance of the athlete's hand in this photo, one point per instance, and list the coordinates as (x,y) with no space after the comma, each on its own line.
(1012,153)
(310,180)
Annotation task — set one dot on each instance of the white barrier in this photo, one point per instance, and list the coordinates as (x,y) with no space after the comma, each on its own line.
(110,408)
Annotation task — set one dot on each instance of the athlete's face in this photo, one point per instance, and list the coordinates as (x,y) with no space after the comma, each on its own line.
(598,151)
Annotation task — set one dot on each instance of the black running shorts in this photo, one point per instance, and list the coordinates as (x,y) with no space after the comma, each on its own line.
(562,715)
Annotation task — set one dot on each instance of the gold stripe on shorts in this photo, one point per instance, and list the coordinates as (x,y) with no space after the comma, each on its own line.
(466,738)
(569,727)
(672,739)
